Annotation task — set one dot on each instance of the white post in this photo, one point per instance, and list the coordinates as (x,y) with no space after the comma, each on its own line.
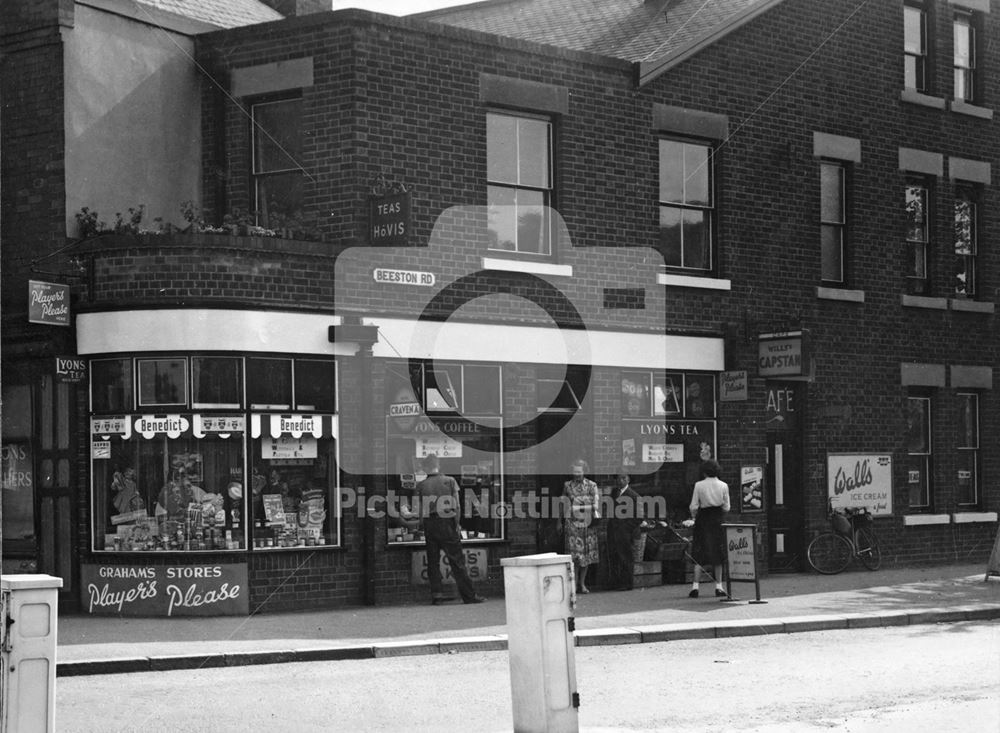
(540,597)
(30,606)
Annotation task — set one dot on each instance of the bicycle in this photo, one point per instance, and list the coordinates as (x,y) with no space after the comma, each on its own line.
(852,536)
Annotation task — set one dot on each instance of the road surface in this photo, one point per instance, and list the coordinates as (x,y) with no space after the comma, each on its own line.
(934,678)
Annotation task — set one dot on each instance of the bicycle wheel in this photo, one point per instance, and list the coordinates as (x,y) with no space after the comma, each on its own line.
(868,550)
(829,553)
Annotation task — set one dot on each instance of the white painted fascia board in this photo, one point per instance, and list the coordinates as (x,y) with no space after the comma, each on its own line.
(650,70)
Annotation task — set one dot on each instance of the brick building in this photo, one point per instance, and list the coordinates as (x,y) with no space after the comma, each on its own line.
(507,235)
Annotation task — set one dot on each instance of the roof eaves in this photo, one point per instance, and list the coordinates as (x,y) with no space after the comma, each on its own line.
(151,16)
(472,5)
(650,70)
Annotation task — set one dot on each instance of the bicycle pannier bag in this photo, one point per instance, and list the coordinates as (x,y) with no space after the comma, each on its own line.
(841,524)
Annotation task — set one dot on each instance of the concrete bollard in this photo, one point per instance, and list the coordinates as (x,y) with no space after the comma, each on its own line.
(29,605)
(540,597)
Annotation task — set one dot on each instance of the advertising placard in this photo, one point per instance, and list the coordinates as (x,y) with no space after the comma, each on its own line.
(475,566)
(733,386)
(171,590)
(70,369)
(389,220)
(860,481)
(781,354)
(48,303)
(751,489)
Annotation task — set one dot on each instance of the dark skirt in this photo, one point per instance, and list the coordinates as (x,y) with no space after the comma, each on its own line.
(706,546)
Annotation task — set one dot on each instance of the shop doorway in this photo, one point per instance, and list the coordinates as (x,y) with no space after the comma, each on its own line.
(561,437)
(785,477)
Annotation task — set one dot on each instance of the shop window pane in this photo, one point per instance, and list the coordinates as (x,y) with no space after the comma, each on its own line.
(160,494)
(294,492)
(918,425)
(667,394)
(217,381)
(111,385)
(917,469)
(635,394)
(699,395)
(472,459)
(442,387)
(315,385)
(269,383)
(16,409)
(481,390)
(162,382)
(18,486)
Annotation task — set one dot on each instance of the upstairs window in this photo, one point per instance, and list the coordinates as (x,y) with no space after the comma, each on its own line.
(965,57)
(519,183)
(917,235)
(965,243)
(277,170)
(686,204)
(832,219)
(915,47)
(968,448)
(918,449)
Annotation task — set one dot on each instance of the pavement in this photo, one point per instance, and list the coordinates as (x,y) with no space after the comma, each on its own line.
(794,603)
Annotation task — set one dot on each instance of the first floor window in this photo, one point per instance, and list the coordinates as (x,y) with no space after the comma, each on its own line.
(965,244)
(277,168)
(915,48)
(686,204)
(519,183)
(832,218)
(918,449)
(917,233)
(968,448)
(965,57)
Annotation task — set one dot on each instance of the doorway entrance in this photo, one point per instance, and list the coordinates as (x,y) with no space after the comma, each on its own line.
(785,476)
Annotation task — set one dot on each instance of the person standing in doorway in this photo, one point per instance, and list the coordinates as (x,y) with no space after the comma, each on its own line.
(624,526)
(709,502)
(580,526)
(441,514)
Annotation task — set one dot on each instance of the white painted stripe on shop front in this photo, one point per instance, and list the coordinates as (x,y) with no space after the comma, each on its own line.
(206,329)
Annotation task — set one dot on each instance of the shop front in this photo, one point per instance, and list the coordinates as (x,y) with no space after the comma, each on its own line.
(197,461)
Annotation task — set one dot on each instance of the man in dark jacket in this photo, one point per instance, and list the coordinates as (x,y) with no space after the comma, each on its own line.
(441,514)
(624,521)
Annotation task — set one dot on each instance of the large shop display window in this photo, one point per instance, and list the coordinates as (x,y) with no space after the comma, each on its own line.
(458,418)
(669,428)
(174,440)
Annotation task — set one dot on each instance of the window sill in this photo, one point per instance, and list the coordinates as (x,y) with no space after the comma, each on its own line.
(970,517)
(689,281)
(922,301)
(924,100)
(844,294)
(916,520)
(972,110)
(533,268)
(972,306)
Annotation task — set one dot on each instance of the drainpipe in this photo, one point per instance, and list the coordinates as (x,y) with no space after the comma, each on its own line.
(354,331)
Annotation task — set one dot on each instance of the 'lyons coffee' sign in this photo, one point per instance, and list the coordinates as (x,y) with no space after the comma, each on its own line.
(172,590)
(860,481)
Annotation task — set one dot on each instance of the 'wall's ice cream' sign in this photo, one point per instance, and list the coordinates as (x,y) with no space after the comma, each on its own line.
(857,481)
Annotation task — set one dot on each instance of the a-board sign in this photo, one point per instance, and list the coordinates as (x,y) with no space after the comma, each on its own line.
(741,557)
(993,566)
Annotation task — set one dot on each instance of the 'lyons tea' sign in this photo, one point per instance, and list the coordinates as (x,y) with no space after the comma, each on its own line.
(172,590)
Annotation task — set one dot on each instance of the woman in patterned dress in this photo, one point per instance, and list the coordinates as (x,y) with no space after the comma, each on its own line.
(581,530)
